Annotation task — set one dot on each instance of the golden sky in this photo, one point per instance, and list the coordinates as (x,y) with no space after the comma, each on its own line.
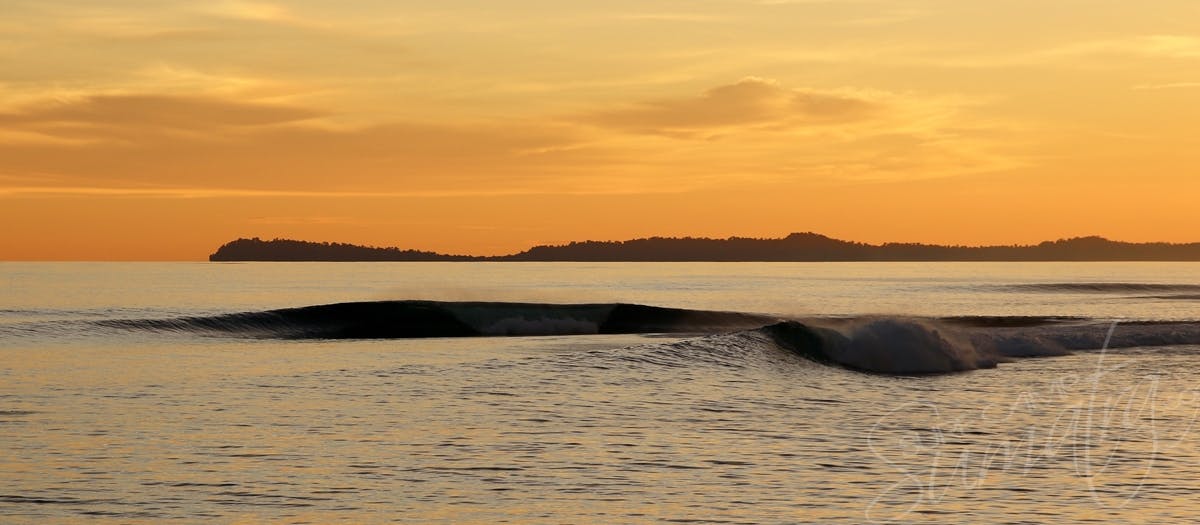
(159,130)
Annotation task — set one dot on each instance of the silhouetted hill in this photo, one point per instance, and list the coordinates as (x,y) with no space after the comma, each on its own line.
(288,250)
(795,247)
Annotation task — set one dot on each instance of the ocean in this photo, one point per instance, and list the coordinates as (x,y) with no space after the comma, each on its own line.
(482,392)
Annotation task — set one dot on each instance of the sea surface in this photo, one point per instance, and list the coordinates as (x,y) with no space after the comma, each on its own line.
(856,393)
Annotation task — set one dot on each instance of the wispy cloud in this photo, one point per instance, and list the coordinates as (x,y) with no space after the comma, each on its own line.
(165,77)
(751,101)
(31,137)
(161,146)
(160,111)
(248,10)
(1155,46)
(1095,54)
(241,193)
(669,17)
(761,131)
(305,220)
(1169,85)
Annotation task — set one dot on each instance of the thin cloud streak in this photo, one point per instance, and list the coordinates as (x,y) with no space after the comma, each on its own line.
(1171,85)
(751,101)
(222,193)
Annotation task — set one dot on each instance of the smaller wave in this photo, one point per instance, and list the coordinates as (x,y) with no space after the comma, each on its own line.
(1012,321)
(1173,297)
(1102,288)
(881,345)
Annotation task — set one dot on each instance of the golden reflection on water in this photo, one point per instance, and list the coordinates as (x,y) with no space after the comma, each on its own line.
(145,428)
(376,432)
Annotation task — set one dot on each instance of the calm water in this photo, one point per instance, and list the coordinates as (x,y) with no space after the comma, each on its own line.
(100,424)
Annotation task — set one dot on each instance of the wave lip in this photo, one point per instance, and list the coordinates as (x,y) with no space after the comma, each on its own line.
(418,319)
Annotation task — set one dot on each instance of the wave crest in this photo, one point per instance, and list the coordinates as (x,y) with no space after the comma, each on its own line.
(885,346)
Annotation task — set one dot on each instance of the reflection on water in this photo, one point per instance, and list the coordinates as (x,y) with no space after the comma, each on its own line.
(358,431)
(134,427)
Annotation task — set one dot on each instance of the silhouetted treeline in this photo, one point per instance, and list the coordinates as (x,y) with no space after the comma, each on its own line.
(795,247)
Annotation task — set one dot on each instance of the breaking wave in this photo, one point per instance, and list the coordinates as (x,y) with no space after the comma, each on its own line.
(882,345)
(885,346)
(903,346)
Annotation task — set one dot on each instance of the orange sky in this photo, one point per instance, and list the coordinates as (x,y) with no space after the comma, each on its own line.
(160,130)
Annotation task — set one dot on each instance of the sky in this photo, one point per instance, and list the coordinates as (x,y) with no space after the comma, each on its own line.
(152,130)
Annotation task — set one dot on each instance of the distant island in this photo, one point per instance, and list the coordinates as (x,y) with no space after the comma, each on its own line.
(797,247)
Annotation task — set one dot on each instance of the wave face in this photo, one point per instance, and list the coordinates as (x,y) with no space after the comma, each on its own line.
(884,346)
(417,319)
